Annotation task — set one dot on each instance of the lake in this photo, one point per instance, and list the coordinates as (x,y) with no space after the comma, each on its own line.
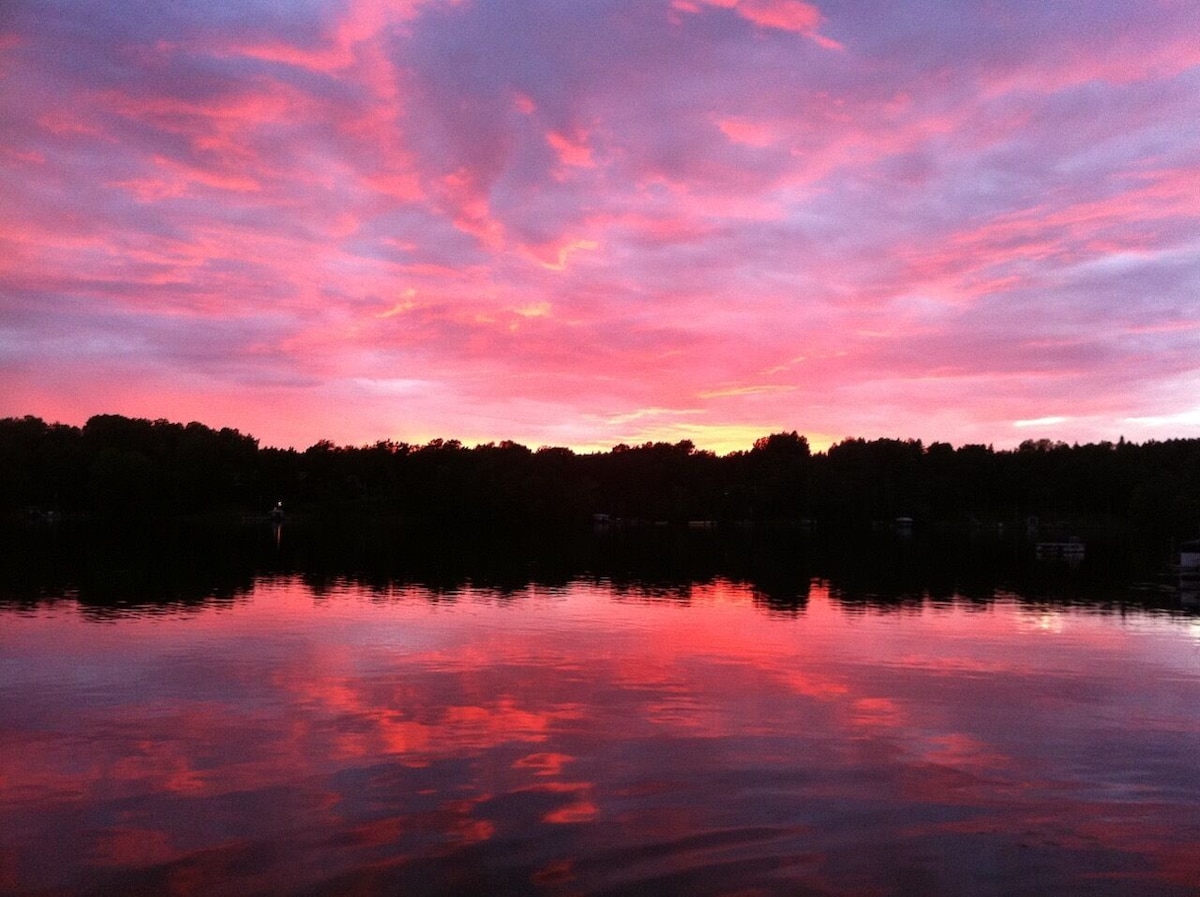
(234,719)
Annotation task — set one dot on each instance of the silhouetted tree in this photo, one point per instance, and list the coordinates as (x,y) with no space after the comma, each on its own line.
(121,466)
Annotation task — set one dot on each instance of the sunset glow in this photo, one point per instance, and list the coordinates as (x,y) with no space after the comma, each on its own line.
(599,222)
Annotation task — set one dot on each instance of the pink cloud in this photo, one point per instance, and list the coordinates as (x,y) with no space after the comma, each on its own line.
(343,44)
(572,151)
(749,133)
(785,15)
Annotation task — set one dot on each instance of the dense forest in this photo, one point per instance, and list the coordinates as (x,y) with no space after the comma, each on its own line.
(122,467)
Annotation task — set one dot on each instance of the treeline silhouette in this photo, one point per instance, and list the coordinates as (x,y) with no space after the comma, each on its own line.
(116,466)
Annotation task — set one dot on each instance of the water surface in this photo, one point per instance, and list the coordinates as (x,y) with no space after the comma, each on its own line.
(596,736)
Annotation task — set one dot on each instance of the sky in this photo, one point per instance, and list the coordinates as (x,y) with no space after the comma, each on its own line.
(596,222)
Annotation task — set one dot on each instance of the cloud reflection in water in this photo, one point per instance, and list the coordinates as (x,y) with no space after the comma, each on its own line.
(572,740)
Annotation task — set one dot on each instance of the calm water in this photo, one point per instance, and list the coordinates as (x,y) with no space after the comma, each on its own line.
(595,735)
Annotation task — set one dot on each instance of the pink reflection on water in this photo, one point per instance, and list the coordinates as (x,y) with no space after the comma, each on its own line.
(577,736)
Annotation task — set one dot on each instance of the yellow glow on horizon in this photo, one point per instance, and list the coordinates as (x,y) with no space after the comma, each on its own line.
(567,250)
(1040,422)
(535,310)
(746,391)
(403,305)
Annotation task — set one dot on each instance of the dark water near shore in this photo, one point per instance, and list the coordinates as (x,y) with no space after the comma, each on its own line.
(370,712)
